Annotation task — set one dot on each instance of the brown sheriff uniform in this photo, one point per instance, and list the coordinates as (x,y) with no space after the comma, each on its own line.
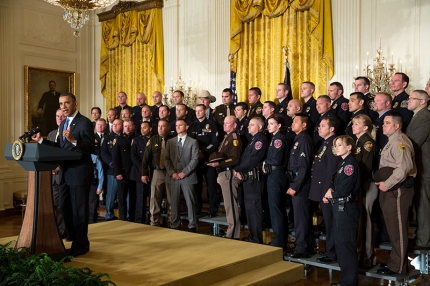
(399,154)
(232,148)
(255,110)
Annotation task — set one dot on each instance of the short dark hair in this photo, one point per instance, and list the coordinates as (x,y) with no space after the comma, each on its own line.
(180,92)
(201,105)
(163,120)
(363,78)
(397,118)
(332,122)
(360,95)
(405,78)
(326,98)
(243,105)
(98,109)
(69,94)
(186,123)
(101,119)
(257,90)
(168,109)
(271,104)
(338,85)
(304,118)
(52,81)
(310,83)
(228,90)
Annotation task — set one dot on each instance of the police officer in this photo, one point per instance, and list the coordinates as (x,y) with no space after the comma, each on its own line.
(231,147)
(274,167)
(324,167)
(249,172)
(309,107)
(255,105)
(283,97)
(223,110)
(362,84)
(339,105)
(142,190)
(299,167)
(121,158)
(205,132)
(343,198)
(106,154)
(324,109)
(397,191)
(398,84)
(240,112)
(153,160)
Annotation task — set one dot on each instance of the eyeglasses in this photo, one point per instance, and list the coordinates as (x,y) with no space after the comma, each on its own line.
(413,98)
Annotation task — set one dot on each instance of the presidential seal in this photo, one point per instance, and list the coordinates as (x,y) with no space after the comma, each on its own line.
(17,150)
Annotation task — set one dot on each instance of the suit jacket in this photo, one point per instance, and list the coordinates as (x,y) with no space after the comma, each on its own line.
(185,161)
(418,131)
(78,172)
(52,136)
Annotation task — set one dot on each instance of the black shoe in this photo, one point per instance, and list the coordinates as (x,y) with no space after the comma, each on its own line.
(386,271)
(298,255)
(78,252)
(112,218)
(326,259)
(193,229)
(383,266)
(212,215)
(69,239)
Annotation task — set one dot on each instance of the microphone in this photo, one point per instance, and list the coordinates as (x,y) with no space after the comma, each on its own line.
(30,133)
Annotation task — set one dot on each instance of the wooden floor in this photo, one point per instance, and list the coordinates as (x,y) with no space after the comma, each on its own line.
(10,226)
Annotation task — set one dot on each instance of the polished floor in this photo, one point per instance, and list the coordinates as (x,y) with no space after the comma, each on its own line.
(10,226)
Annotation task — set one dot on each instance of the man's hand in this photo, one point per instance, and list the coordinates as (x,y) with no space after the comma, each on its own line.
(68,135)
(213,164)
(175,176)
(291,192)
(264,169)
(328,195)
(56,170)
(145,179)
(36,137)
(99,191)
(382,186)
(181,175)
(237,175)
(119,177)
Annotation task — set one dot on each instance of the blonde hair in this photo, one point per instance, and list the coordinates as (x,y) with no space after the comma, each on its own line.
(367,121)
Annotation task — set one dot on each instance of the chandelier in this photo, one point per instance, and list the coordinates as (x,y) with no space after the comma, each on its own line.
(76,12)
(190,96)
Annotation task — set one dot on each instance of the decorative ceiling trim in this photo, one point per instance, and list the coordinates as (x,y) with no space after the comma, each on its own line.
(124,6)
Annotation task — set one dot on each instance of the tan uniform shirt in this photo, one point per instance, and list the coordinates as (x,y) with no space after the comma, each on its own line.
(399,154)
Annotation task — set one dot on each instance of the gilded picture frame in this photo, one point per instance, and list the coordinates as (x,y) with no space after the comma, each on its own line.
(40,99)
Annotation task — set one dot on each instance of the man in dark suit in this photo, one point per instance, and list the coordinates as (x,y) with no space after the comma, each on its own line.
(181,159)
(75,134)
(419,132)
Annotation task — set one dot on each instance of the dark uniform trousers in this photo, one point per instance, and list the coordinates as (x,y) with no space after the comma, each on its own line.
(126,199)
(276,186)
(211,175)
(142,192)
(395,206)
(346,236)
(253,207)
(302,220)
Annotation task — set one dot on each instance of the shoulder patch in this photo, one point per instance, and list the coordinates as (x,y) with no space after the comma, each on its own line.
(334,106)
(404,104)
(277,143)
(368,146)
(258,145)
(348,170)
(344,106)
(402,146)
(258,110)
(235,143)
(114,142)
(358,150)
(395,105)
(234,135)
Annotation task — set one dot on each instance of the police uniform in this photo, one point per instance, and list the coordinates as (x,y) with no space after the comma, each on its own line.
(220,112)
(142,190)
(400,105)
(398,153)
(119,109)
(348,130)
(255,110)
(299,167)
(136,115)
(232,148)
(281,107)
(190,117)
(345,212)
(309,108)
(324,167)
(341,110)
(98,183)
(121,158)
(205,132)
(275,167)
(242,131)
(369,104)
(112,184)
(250,169)
(365,154)
(151,162)
(317,140)
(155,114)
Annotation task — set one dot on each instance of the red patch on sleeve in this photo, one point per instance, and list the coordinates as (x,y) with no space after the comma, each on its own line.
(258,145)
(277,143)
(344,106)
(348,170)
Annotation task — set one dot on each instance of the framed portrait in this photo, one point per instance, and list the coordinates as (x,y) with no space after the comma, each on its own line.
(42,91)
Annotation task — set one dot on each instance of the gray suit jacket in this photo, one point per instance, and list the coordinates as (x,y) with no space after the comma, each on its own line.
(419,132)
(185,161)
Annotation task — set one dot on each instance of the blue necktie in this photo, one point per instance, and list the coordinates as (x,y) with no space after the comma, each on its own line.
(66,125)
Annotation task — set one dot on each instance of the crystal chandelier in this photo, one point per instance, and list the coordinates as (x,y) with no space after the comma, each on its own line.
(190,96)
(76,12)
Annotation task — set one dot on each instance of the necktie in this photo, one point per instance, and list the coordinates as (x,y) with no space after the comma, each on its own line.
(163,148)
(180,144)
(228,110)
(66,125)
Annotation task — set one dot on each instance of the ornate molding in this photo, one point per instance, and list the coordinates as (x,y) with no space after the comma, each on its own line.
(124,6)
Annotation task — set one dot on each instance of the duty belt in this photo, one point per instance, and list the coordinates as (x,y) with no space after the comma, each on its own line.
(277,168)
(158,168)
(348,199)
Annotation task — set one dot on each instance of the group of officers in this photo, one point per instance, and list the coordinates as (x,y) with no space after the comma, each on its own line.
(264,155)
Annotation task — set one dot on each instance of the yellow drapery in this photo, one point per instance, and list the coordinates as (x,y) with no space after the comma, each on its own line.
(132,55)
(258,31)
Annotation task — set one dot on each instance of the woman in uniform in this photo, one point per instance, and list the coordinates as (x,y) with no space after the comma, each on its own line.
(365,154)
(274,167)
(345,210)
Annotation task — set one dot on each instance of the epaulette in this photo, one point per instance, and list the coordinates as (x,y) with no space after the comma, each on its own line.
(234,135)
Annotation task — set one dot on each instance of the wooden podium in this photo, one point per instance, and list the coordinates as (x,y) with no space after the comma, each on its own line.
(39,232)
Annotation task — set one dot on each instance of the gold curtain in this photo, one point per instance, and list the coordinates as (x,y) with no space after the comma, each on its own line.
(132,55)
(260,28)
